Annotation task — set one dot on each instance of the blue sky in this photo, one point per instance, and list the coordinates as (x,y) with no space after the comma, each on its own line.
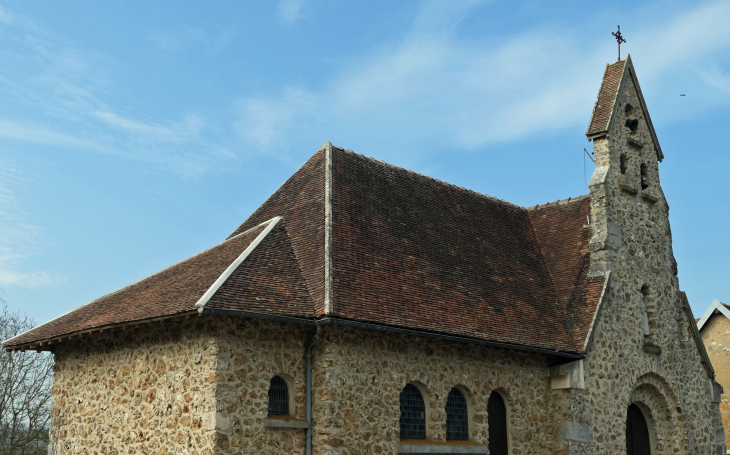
(135,134)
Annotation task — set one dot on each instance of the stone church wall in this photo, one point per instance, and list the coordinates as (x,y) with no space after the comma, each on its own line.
(250,353)
(195,386)
(143,390)
(359,376)
(716,336)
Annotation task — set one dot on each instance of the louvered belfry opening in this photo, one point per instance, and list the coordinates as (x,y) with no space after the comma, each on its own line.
(278,397)
(457,417)
(412,413)
(497,420)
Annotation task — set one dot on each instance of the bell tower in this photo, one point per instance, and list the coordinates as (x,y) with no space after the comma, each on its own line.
(646,333)
(631,237)
(627,199)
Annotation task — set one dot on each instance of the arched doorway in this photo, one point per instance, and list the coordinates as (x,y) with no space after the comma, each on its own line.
(637,432)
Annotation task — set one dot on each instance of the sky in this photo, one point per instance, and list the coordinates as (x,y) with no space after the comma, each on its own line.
(134,134)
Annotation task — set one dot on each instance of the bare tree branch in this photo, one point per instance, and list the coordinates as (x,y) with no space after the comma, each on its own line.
(25,392)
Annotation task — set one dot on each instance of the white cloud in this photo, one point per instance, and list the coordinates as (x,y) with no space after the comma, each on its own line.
(470,93)
(290,11)
(716,78)
(5,17)
(18,237)
(35,134)
(262,119)
(72,86)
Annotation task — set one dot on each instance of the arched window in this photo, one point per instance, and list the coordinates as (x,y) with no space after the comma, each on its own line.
(457,417)
(645,310)
(278,397)
(637,432)
(623,163)
(412,414)
(497,420)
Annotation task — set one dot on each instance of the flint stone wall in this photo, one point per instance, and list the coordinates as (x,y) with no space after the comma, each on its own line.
(195,386)
(250,353)
(661,371)
(143,390)
(359,375)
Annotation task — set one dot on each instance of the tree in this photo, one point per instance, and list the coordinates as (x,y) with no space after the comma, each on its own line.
(25,392)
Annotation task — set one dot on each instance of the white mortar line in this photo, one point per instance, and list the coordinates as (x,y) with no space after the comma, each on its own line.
(328,303)
(596,313)
(200,304)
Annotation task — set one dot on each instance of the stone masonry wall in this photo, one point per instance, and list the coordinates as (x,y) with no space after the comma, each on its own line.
(660,370)
(716,336)
(143,390)
(359,376)
(250,353)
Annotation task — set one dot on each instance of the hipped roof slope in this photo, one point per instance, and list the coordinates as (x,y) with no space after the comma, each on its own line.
(361,240)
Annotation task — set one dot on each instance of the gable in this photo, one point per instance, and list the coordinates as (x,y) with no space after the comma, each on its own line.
(616,79)
(715,308)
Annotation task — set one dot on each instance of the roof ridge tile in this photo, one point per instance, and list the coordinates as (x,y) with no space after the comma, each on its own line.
(400,168)
(558,202)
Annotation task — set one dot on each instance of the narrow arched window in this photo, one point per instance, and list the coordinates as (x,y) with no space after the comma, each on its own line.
(645,310)
(623,163)
(497,420)
(278,397)
(457,417)
(412,413)
(644,177)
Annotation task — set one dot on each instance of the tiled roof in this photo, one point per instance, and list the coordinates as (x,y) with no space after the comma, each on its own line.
(411,251)
(384,246)
(606,99)
(564,232)
(176,289)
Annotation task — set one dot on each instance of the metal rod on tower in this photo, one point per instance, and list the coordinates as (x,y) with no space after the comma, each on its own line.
(619,39)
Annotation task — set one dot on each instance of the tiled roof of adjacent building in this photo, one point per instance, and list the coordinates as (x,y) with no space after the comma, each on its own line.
(351,238)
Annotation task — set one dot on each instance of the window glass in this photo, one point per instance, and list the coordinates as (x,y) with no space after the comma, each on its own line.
(412,414)
(278,397)
(457,417)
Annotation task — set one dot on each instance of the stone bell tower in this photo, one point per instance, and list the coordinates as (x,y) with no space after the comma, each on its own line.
(625,189)
(631,235)
(647,332)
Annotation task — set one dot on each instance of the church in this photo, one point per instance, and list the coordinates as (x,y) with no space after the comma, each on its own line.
(367,309)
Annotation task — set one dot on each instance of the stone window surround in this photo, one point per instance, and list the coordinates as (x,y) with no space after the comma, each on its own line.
(285,421)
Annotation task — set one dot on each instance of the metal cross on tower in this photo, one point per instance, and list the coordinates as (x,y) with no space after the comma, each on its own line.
(619,39)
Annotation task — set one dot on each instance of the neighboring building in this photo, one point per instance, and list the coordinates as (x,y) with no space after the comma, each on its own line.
(714,326)
(430,319)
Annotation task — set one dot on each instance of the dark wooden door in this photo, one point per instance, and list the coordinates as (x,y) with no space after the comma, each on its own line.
(497,419)
(637,432)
